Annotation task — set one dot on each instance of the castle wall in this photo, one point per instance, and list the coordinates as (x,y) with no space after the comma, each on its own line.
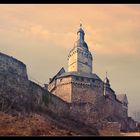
(111,127)
(72,61)
(132,124)
(61,88)
(52,86)
(89,105)
(86,91)
(12,65)
(84,112)
(50,101)
(112,106)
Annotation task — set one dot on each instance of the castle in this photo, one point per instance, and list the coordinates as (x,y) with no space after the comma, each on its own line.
(77,95)
(79,86)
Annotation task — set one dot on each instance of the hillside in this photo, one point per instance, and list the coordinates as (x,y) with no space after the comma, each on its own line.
(40,125)
(31,125)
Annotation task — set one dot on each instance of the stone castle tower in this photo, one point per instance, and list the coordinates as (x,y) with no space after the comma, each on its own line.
(81,85)
(90,97)
(80,58)
(78,94)
(67,85)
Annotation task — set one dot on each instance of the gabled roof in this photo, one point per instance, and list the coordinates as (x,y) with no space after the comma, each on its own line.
(122,98)
(62,70)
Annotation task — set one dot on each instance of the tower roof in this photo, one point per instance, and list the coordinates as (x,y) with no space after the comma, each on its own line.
(80,38)
(122,98)
(81,29)
(80,74)
(106,79)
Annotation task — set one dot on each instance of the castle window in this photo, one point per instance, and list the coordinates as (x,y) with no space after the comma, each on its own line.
(77,78)
(92,80)
(82,79)
(61,80)
(125,104)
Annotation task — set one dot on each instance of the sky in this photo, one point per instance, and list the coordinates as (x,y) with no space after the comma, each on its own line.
(41,36)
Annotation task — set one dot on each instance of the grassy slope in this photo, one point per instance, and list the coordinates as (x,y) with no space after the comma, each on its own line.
(31,125)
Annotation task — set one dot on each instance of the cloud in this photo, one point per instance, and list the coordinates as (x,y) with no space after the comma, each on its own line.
(34,30)
(106,26)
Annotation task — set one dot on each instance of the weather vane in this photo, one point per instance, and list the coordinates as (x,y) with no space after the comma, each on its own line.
(80,24)
(106,73)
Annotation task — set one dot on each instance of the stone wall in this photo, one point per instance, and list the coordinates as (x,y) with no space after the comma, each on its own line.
(111,127)
(12,65)
(84,60)
(52,86)
(82,92)
(132,125)
(49,101)
(72,61)
(62,88)
(18,94)
(84,112)
(89,105)
(80,60)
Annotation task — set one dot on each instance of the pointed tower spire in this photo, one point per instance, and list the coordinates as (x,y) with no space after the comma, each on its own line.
(80,58)
(81,33)
(106,83)
(80,24)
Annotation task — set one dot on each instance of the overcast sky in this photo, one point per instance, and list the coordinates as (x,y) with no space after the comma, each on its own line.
(41,36)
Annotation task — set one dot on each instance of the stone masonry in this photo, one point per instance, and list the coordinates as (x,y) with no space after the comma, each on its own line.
(92,99)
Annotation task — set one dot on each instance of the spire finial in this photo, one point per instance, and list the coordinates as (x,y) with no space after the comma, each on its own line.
(80,24)
(80,33)
(106,73)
